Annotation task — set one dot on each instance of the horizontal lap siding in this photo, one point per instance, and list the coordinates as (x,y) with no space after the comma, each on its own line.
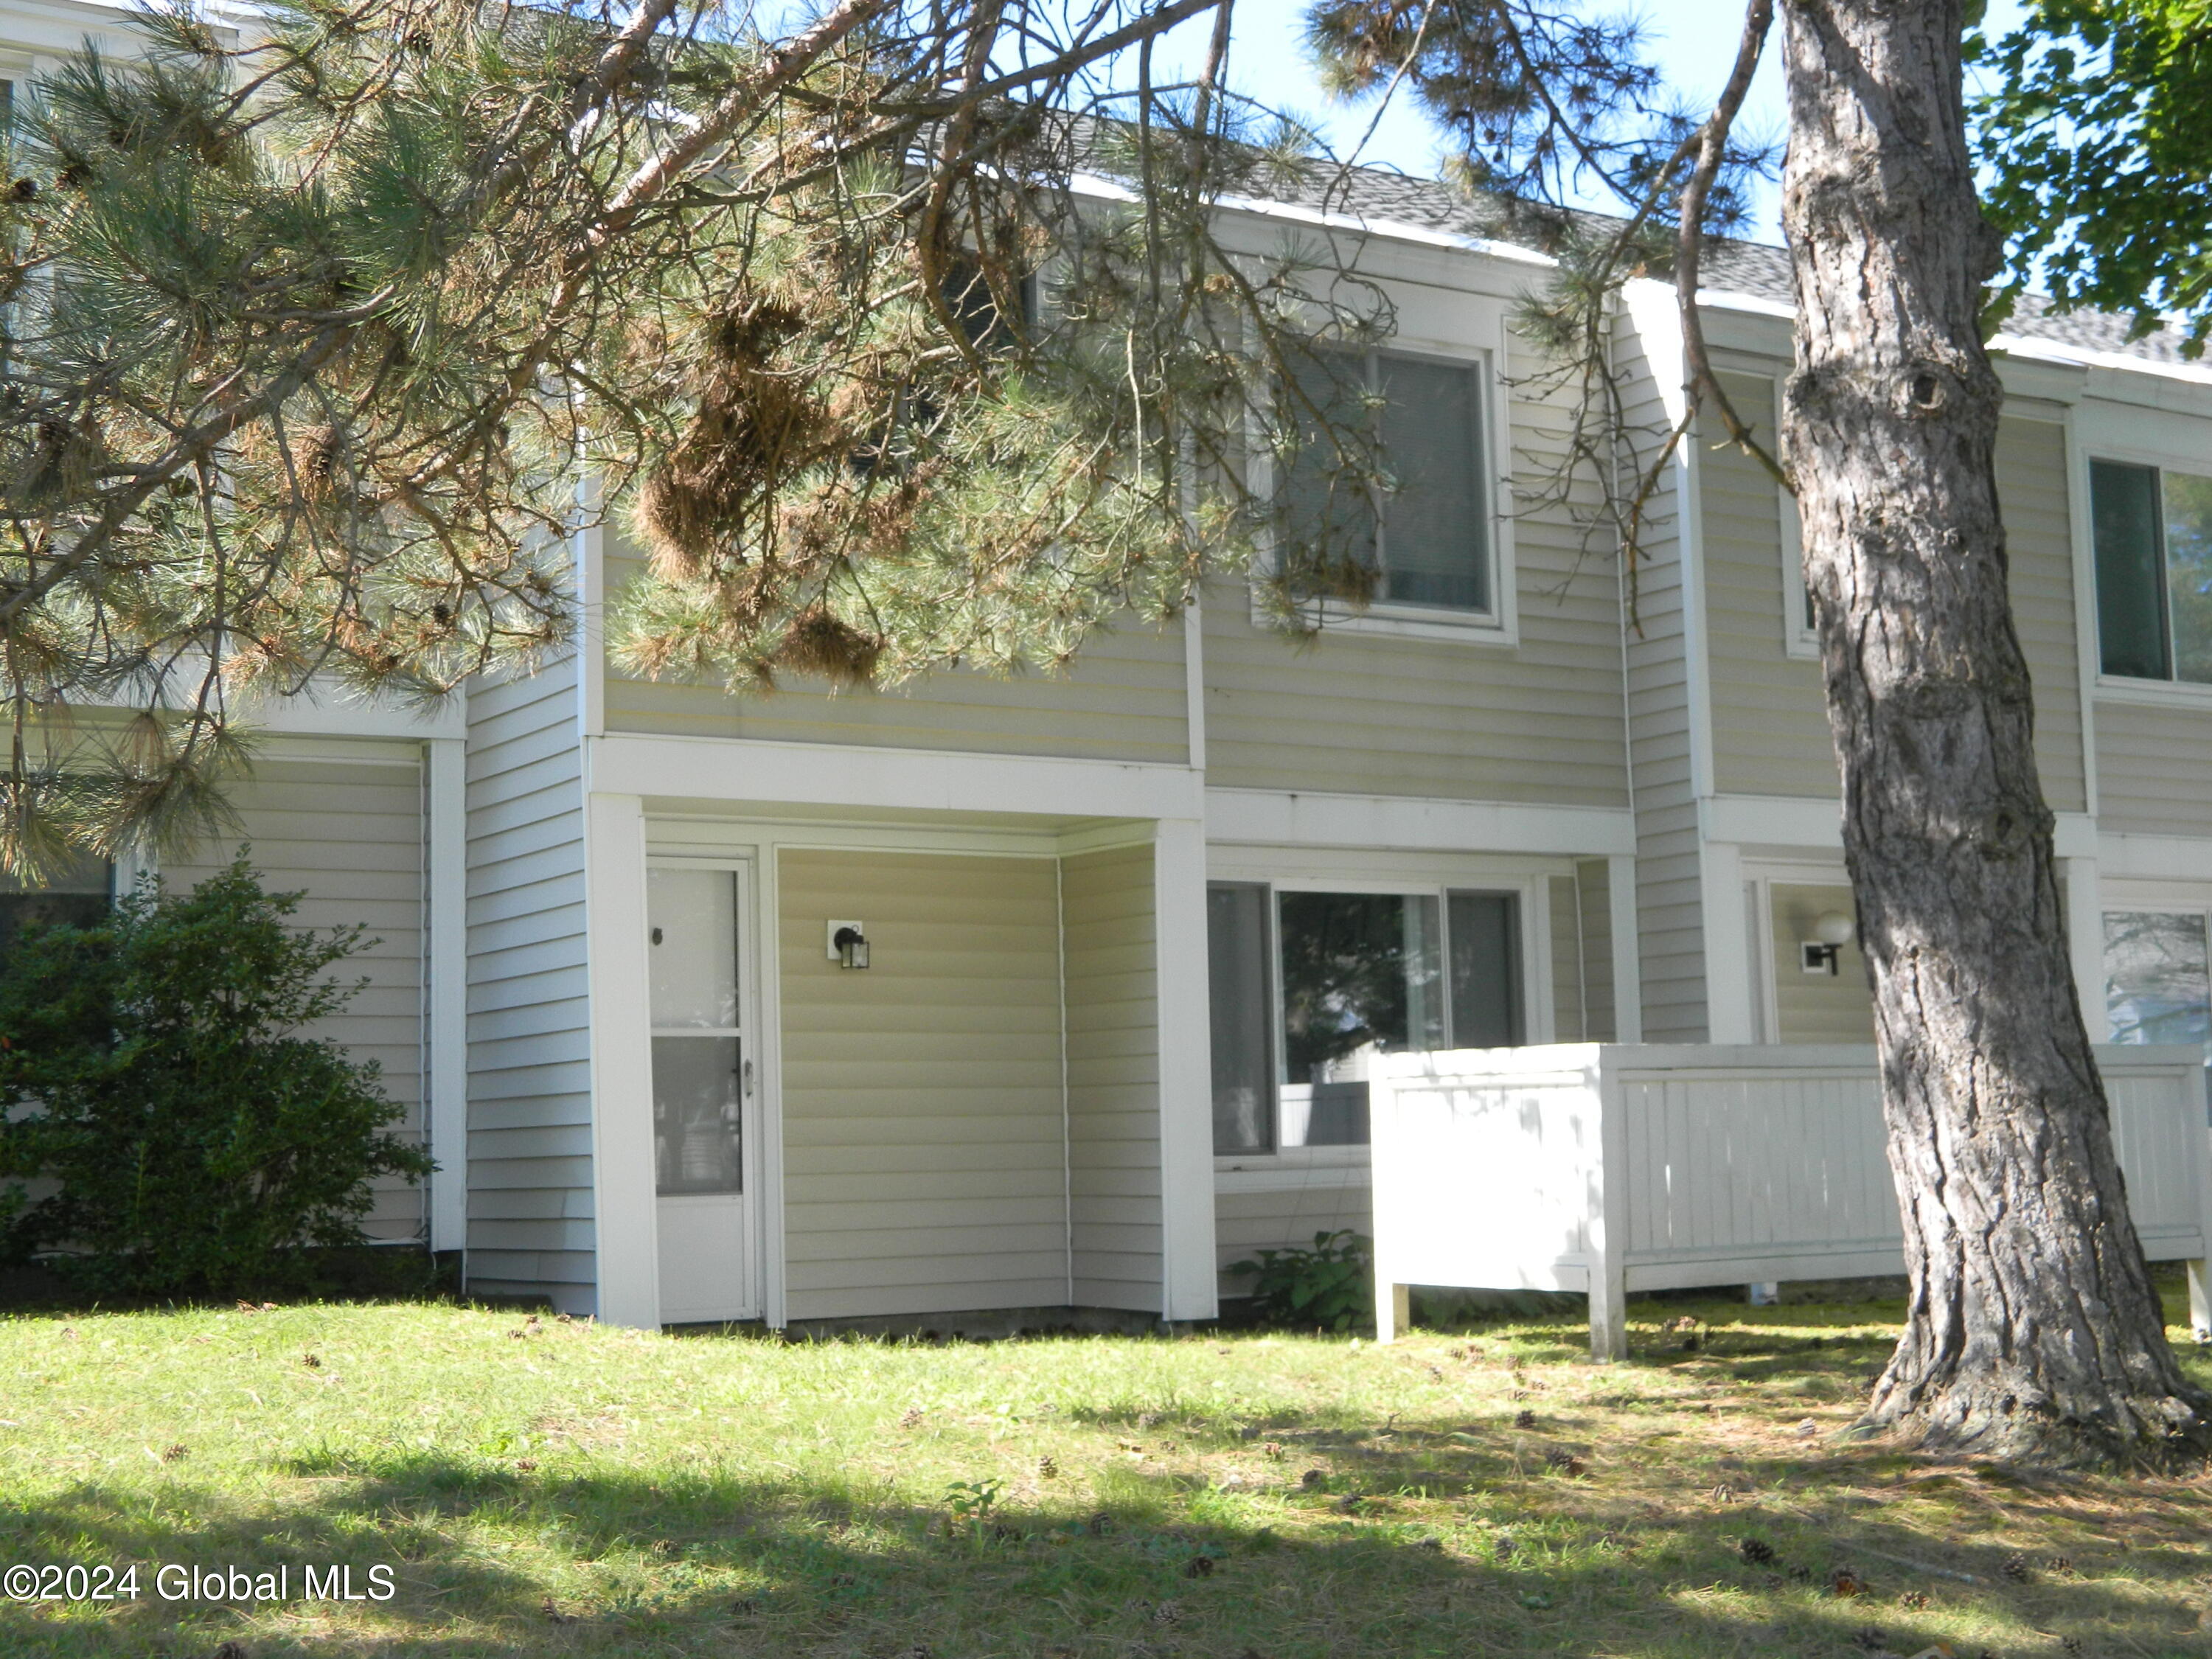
(348,832)
(1364,714)
(2032,486)
(2153,769)
(530,1226)
(1247,1222)
(1113,1078)
(1122,699)
(924,1165)
(1770,715)
(1593,881)
(1670,919)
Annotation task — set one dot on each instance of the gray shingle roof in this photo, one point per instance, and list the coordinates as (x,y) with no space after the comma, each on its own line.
(1379,196)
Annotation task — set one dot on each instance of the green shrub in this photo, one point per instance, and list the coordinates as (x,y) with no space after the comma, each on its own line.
(185,1138)
(1330,1285)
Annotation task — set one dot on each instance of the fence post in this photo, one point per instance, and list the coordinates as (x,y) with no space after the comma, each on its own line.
(2200,1270)
(1392,1304)
(1608,1213)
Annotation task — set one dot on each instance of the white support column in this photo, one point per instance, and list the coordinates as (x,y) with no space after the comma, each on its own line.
(1730,963)
(1627,960)
(2085,941)
(1189,1287)
(444,985)
(624,1204)
(1608,1221)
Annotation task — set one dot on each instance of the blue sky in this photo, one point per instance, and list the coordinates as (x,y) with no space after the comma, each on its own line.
(1694,41)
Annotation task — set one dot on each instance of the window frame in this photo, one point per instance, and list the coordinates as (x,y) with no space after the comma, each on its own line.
(1531,893)
(2127,688)
(2132,896)
(1498,625)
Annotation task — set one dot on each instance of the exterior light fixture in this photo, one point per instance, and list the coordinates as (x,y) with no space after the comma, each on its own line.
(849,945)
(1831,930)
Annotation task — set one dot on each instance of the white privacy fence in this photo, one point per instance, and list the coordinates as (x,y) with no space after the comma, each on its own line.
(1611,1168)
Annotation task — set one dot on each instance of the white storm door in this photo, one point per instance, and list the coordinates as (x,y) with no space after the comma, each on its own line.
(703,1092)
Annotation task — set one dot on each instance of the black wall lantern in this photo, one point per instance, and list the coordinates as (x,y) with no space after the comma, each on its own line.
(849,945)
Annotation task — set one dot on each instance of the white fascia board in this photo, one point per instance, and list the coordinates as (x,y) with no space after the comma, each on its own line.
(913,780)
(2031,348)
(320,712)
(2123,857)
(1269,817)
(306,716)
(1651,312)
(1809,822)
(1385,230)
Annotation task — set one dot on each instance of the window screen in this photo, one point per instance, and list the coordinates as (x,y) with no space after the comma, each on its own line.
(1434,548)
(1486,971)
(78,895)
(2130,608)
(2187,501)
(1426,536)
(2157,987)
(1239,995)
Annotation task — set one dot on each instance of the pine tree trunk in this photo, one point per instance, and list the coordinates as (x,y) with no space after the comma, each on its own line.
(2034,1333)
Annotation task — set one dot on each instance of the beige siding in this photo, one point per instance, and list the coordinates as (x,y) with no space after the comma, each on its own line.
(1816,1007)
(1122,700)
(1593,886)
(1770,720)
(1569,1017)
(924,1139)
(1769,716)
(1670,920)
(1245,1222)
(530,1224)
(2153,769)
(2032,483)
(1113,1078)
(1368,714)
(346,828)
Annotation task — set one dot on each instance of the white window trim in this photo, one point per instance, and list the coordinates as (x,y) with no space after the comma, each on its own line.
(1532,896)
(1500,625)
(2125,688)
(2144,898)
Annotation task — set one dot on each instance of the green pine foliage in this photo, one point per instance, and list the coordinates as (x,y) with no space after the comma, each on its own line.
(900,338)
(168,1131)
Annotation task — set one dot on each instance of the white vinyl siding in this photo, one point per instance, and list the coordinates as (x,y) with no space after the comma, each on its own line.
(923,1137)
(530,1104)
(345,827)
(1121,699)
(1113,1078)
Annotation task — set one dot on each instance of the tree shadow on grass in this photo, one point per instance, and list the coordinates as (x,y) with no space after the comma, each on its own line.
(1354,1559)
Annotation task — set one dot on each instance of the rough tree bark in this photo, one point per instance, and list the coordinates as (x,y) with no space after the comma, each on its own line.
(2034,1333)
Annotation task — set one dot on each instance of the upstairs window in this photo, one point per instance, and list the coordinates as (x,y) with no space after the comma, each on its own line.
(1309,989)
(2153,551)
(79,894)
(1423,533)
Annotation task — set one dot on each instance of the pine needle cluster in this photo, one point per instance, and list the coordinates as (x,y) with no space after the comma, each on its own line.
(909,336)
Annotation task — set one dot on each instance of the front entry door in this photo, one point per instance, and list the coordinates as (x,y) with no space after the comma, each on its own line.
(703,1093)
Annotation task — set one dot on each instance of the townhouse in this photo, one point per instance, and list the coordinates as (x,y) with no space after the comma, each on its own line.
(1006,998)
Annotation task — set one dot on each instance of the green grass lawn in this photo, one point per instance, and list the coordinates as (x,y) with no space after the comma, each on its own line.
(555,1489)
